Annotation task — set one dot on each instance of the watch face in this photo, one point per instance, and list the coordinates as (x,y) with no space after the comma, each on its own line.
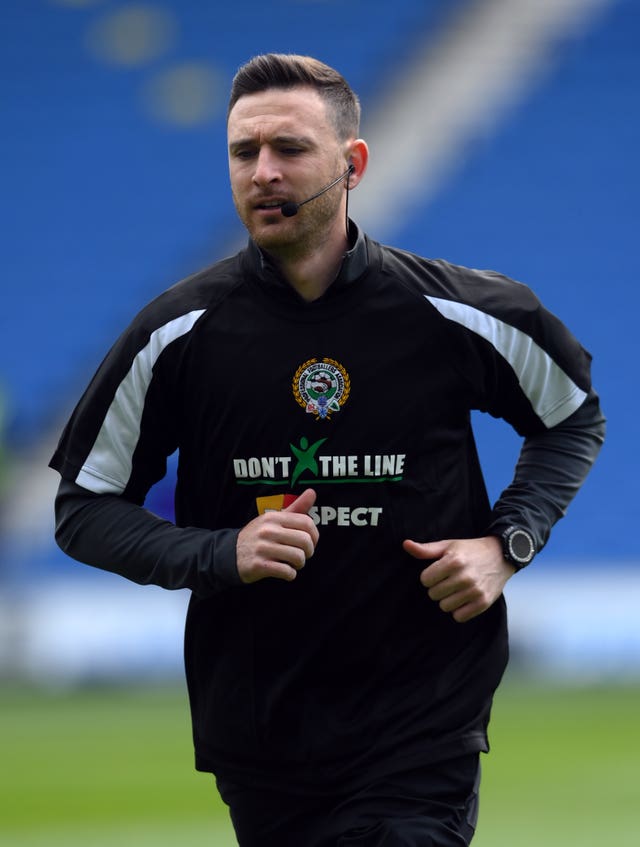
(521,546)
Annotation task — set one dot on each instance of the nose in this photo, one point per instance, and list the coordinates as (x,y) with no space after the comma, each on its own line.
(267,169)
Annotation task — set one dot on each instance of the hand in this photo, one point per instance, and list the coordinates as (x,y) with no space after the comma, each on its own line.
(277,544)
(467,575)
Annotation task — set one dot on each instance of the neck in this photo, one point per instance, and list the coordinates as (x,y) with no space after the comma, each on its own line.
(311,271)
(313,275)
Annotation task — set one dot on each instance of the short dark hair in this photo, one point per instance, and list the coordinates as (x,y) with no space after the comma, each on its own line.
(288,70)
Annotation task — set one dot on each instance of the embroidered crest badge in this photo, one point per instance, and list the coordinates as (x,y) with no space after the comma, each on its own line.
(321,387)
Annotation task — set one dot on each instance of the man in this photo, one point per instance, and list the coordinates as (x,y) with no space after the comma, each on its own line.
(346,630)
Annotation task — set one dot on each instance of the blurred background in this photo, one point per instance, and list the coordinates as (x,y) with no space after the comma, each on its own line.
(504,134)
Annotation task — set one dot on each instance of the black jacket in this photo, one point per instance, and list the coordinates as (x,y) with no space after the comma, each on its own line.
(365,394)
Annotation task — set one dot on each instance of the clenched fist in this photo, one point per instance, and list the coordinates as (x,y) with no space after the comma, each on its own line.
(278,544)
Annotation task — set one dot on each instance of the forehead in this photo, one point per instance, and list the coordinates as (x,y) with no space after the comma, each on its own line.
(277,111)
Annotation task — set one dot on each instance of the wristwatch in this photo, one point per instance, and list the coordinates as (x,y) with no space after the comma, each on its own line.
(518,546)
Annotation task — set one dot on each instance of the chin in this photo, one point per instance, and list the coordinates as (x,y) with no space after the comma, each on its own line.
(270,238)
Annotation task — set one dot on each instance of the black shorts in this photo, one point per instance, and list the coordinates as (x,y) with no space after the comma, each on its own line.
(435,806)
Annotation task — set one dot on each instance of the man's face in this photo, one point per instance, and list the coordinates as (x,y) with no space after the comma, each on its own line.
(283,147)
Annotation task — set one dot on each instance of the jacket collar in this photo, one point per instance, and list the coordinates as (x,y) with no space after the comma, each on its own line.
(354,263)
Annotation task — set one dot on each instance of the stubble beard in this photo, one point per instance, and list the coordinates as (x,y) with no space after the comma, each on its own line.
(294,238)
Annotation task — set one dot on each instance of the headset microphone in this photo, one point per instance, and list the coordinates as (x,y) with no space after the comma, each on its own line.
(290,209)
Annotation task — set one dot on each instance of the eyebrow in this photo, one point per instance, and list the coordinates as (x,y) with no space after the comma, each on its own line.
(302,140)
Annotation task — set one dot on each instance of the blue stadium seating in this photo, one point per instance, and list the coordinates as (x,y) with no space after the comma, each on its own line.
(551,198)
(104,207)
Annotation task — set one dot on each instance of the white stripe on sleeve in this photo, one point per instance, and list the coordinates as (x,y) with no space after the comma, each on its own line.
(552,393)
(108,466)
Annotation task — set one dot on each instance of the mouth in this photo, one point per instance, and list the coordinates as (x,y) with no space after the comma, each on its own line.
(269,205)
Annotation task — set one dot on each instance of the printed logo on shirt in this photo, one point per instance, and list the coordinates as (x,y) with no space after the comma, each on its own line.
(274,502)
(324,515)
(306,465)
(321,387)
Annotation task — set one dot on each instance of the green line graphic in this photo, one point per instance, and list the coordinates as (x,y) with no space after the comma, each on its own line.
(315,481)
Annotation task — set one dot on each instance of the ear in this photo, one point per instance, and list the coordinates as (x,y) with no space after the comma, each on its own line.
(357,158)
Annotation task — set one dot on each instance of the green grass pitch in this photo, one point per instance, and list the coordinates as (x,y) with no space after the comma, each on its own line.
(113,767)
